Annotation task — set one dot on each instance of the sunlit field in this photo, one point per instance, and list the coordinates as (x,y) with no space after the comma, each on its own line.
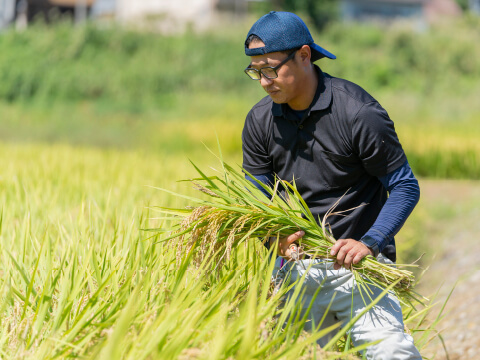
(81,278)
(94,121)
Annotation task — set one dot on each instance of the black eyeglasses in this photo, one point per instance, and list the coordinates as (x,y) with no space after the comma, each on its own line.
(270,72)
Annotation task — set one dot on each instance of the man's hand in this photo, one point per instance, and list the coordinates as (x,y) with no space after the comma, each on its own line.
(285,244)
(349,252)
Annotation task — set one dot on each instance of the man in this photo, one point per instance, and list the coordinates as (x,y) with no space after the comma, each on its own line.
(338,144)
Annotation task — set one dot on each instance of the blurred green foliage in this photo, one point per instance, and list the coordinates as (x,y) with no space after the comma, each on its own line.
(62,63)
(147,69)
(319,13)
(114,87)
(464,4)
(441,60)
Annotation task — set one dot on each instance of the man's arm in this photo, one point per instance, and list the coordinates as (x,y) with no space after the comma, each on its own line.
(404,195)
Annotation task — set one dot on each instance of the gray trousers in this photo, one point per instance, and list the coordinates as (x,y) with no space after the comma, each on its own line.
(383,322)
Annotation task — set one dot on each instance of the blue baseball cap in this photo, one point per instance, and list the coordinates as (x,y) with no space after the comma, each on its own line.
(282,31)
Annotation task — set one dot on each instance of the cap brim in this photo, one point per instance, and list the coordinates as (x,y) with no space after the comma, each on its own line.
(318,52)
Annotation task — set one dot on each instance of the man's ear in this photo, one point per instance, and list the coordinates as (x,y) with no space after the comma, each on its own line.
(305,54)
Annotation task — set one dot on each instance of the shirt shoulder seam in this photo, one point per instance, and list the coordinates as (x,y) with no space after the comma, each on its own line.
(349,94)
(261,104)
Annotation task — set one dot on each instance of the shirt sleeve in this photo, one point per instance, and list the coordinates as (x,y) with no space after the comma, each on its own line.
(254,147)
(404,195)
(376,141)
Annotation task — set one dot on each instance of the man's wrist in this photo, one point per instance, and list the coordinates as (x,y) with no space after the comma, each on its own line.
(371,243)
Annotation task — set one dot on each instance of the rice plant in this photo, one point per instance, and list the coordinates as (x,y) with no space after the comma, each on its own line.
(236,211)
(80,279)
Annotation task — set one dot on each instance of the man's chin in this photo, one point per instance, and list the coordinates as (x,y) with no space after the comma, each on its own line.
(277,98)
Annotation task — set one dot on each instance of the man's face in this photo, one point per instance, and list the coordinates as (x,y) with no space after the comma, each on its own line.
(287,86)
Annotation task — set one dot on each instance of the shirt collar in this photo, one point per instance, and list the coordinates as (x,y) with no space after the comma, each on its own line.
(322,99)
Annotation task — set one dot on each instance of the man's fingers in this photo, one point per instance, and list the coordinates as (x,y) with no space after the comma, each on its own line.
(294,237)
(350,254)
(347,263)
(357,258)
(287,244)
(337,246)
(346,253)
(342,253)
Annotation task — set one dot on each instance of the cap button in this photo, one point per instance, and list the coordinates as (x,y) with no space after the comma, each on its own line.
(272,12)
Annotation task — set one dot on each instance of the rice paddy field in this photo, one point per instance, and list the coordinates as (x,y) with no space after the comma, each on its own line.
(81,279)
(95,120)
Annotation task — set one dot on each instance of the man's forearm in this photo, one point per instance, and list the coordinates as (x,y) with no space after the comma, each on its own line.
(404,194)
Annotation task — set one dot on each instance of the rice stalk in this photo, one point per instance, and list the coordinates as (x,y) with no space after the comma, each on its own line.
(236,211)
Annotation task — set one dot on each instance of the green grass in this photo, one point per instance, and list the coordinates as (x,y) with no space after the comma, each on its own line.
(114,88)
(80,279)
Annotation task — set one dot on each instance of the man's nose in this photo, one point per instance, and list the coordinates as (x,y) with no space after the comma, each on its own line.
(264,81)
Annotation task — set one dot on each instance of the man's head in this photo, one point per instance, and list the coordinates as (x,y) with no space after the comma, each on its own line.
(282,31)
(282,51)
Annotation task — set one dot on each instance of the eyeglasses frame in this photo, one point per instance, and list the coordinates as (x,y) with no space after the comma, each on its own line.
(274,68)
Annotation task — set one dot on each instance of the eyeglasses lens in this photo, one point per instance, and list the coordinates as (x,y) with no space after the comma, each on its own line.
(268,72)
(253,73)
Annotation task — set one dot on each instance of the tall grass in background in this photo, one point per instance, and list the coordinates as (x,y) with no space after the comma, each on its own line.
(112,87)
(118,68)
(140,70)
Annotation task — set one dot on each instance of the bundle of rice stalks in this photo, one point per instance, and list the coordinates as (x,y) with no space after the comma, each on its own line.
(236,211)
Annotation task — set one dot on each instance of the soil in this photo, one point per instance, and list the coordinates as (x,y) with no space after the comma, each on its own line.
(454,264)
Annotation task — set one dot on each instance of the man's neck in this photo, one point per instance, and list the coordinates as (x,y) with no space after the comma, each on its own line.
(303,101)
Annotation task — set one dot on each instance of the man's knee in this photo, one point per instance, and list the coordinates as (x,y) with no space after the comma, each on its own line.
(395,345)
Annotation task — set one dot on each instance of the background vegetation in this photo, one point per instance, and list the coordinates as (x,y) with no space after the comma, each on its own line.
(90,115)
(114,87)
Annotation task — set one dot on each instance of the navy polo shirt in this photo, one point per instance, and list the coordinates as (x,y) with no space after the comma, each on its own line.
(344,141)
